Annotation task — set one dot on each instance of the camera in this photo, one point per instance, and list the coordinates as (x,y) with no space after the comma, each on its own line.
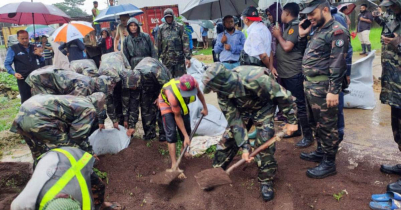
(388,35)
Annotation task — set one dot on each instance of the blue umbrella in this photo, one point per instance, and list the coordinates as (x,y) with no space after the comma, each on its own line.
(113,13)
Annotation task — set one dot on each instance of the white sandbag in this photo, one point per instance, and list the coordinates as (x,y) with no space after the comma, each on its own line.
(200,144)
(214,124)
(361,88)
(109,141)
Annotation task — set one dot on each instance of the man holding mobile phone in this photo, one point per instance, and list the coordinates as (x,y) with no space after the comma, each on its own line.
(26,58)
(289,69)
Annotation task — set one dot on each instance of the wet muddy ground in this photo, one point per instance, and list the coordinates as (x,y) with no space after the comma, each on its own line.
(368,143)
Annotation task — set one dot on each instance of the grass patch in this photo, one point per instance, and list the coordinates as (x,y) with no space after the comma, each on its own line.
(8,80)
(203,51)
(2,47)
(102,175)
(8,110)
(374,37)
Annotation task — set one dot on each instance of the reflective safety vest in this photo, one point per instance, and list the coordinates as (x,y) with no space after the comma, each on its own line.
(172,86)
(78,169)
(97,13)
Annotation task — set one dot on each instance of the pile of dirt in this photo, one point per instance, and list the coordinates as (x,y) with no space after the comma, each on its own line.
(8,92)
(13,178)
(130,172)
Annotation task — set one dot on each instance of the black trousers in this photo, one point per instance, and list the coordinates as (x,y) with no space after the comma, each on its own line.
(296,87)
(170,127)
(24,89)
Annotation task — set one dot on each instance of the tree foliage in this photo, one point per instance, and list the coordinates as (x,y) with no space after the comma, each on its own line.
(71,7)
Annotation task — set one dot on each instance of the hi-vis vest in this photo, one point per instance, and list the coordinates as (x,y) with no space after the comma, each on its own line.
(172,86)
(97,13)
(77,176)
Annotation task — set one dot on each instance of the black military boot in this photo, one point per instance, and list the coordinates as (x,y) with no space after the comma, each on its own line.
(307,139)
(388,169)
(394,187)
(363,50)
(326,168)
(369,48)
(266,188)
(315,156)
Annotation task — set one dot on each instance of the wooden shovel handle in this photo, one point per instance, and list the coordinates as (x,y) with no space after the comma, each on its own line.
(264,146)
(190,139)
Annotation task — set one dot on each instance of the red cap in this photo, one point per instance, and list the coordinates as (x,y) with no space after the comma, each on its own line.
(187,86)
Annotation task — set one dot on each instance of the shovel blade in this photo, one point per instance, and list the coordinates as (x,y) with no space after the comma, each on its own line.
(165,178)
(210,178)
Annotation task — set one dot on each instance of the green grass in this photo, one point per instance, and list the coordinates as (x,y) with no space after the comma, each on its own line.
(8,111)
(8,80)
(374,37)
(203,51)
(2,47)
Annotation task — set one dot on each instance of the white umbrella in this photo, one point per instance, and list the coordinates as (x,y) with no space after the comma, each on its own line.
(213,9)
(72,30)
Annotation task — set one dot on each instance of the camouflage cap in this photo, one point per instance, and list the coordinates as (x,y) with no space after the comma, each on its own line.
(221,80)
(62,204)
(104,84)
(130,78)
(79,65)
(311,5)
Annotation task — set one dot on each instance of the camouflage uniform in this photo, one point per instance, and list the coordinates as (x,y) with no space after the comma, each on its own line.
(153,76)
(86,67)
(324,66)
(173,47)
(64,82)
(391,77)
(48,121)
(112,65)
(248,93)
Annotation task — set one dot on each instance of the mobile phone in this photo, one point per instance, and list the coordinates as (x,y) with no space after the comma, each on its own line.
(306,24)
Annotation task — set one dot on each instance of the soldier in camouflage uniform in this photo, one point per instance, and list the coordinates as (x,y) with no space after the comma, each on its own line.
(324,66)
(112,65)
(173,45)
(48,121)
(249,93)
(64,82)
(152,75)
(391,78)
(86,67)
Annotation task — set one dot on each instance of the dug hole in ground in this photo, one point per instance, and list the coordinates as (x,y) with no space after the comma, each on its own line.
(367,144)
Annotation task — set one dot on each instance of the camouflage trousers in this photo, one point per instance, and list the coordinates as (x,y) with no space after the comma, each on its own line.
(227,148)
(396,125)
(150,114)
(322,119)
(177,70)
(114,105)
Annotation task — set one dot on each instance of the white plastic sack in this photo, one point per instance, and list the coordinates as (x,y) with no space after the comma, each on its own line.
(214,123)
(200,144)
(361,88)
(109,141)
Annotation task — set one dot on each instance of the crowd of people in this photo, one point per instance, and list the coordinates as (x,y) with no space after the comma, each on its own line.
(299,64)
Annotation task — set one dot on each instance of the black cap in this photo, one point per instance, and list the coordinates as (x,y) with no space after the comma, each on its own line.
(251,13)
(228,16)
(311,5)
(95,2)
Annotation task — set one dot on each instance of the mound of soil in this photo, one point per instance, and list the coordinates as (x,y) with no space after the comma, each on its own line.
(130,172)
(13,178)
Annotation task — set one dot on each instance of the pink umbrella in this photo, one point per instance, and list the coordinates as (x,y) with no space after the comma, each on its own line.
(32,13)
(350,8)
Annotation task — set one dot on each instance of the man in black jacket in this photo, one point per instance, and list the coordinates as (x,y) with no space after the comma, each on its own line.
(26,59)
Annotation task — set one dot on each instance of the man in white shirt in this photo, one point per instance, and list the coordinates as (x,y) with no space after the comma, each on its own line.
(258,42)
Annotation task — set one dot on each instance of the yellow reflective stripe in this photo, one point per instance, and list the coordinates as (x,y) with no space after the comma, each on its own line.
(179,97)
(75,170)
(192,99)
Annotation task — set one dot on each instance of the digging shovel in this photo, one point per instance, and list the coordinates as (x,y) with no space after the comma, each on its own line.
(165,178)
(214,177)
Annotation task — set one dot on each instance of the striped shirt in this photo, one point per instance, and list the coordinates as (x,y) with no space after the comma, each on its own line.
(46,52)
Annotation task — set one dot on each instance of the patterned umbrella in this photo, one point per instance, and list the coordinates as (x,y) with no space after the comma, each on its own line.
(39,30)
(32,13)
(71,31)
